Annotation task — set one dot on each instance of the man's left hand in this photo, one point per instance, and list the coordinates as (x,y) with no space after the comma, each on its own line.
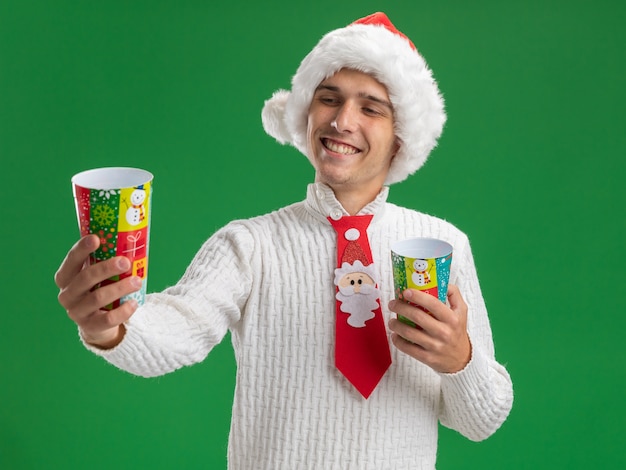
(441,340)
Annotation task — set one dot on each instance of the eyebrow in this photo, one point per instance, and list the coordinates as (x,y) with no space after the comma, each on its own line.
(360,95)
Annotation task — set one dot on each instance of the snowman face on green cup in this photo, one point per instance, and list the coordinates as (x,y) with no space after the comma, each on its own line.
(420,265)
(138,197)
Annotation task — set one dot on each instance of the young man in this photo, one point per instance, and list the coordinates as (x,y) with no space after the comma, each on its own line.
(306,291)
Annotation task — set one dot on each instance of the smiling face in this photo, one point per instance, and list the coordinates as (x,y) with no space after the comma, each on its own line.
(350,134)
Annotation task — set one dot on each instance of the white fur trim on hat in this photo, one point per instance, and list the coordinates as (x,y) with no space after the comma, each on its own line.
(273,117)
(419,113)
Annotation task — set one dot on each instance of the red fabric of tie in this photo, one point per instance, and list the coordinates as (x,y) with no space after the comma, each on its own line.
(361,345)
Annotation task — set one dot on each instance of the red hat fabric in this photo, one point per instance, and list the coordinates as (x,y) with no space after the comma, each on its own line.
(380,19)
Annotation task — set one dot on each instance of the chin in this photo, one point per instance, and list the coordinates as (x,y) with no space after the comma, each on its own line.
(333,176)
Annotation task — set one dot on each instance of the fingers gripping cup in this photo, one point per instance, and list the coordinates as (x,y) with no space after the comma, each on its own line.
(421,264)
(115,204)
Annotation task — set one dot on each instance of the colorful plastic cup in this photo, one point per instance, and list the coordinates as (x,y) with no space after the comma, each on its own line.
(115,204)
(422,264)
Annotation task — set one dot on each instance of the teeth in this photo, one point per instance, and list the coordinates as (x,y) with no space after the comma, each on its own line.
(340,148)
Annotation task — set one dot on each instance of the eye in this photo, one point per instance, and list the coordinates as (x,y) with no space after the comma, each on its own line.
(360,281)
(328,100)
(352,282)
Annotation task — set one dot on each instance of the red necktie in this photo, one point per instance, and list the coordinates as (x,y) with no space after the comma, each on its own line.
(361,346)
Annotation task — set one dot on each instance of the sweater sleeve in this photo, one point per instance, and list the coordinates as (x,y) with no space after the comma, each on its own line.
(476,400)
(181,325)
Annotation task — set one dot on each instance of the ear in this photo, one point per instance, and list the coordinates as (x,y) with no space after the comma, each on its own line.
(396,148)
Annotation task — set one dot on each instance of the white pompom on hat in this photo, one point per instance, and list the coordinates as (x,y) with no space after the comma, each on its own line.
(374,46)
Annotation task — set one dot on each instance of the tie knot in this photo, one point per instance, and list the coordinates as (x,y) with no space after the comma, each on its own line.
(348,222)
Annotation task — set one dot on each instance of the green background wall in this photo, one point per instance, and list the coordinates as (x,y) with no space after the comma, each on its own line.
(533,154)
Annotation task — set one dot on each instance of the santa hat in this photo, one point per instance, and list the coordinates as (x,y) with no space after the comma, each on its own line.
(374,46)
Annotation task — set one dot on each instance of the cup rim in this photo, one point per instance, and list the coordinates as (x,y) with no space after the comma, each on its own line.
(422,248)
(108,178)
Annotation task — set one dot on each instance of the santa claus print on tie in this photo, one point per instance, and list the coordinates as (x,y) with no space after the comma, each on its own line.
(357,291)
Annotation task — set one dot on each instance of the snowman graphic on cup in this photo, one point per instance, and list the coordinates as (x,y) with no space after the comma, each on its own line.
(136,213)
(420,275)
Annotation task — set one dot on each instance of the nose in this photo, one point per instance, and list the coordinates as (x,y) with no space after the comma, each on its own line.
(345,119)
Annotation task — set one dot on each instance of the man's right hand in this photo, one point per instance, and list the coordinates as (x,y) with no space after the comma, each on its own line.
(85,305)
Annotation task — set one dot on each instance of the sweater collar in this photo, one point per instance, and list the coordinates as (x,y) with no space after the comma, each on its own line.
(322,203)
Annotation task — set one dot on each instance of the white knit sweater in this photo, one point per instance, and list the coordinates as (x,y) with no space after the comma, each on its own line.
(269,280)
